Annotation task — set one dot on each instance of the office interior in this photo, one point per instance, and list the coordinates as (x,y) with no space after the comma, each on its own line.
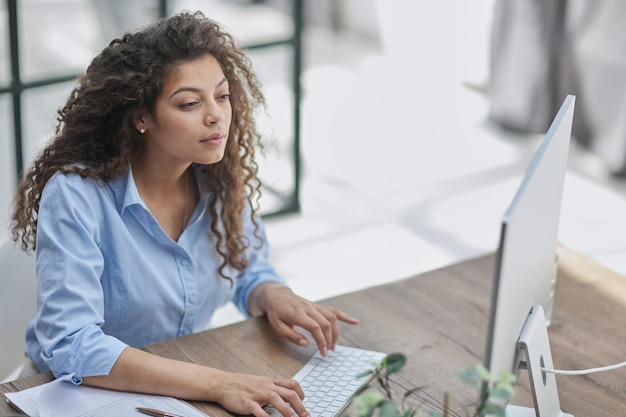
(400,169)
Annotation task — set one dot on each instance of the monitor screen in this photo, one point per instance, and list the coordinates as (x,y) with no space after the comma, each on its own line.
(526,253)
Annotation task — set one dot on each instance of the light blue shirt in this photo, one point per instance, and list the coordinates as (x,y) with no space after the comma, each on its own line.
(109,277)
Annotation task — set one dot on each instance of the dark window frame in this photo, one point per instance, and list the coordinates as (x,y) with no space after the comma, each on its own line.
(289,203)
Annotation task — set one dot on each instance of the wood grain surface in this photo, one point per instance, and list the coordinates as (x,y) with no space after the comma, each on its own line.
(439,321)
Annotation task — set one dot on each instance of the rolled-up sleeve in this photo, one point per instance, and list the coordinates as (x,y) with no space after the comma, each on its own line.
(258,271)
(69,265)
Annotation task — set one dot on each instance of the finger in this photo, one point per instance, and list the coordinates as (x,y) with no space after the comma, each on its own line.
(347,319)
(342,316)
(287,332)
(291,384)
(332,319)
(277,400)
(256,410)
(294,399)
(321,330)
(309,324)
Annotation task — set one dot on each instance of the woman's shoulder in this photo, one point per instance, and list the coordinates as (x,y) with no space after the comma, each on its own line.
(75,188)
(74,180)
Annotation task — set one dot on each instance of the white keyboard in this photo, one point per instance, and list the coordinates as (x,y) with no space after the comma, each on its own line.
(330,382)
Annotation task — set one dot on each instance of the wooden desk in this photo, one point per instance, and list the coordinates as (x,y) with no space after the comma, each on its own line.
(439,320)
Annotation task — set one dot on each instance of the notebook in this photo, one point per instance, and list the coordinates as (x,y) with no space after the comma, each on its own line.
(61,398)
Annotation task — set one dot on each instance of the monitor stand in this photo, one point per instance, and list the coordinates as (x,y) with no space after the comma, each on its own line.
(535,347)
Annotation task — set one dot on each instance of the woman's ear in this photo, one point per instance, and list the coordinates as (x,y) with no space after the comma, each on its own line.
(139,122)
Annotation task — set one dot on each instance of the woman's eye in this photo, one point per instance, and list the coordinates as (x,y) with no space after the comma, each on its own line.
(189,104)
(224,96)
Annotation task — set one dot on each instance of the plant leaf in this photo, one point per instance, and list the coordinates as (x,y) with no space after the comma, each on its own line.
(393,362)
(492,409)
(505,387)
(482,371)
(410,412)
(389,408)
(471,377)
(507,377)
(366,403)
(367,373)
(501,394)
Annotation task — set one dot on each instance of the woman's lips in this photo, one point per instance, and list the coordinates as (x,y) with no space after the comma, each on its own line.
(214,139)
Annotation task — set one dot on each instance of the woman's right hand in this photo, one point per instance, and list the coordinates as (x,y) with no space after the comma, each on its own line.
(138,371)
(248,394)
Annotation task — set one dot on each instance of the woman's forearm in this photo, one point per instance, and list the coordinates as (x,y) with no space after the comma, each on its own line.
(139,371)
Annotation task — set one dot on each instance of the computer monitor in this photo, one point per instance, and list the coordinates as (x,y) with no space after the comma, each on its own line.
(517,336)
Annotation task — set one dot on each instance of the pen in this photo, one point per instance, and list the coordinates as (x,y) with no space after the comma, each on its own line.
(155,413)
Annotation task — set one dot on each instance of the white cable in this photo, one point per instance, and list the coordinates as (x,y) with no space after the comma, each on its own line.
(584,371)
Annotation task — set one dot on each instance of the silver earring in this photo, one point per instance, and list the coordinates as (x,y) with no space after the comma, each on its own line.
(142,130)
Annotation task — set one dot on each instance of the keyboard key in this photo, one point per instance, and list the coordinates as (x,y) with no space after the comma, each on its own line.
(330,382)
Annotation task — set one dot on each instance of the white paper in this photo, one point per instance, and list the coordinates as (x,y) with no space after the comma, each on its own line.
(61,398)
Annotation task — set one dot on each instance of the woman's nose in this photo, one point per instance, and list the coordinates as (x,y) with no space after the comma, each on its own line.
(214,114)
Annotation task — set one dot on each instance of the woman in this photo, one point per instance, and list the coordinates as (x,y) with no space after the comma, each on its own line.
(142,213)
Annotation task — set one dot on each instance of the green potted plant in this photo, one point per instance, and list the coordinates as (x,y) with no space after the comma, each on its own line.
(376,399)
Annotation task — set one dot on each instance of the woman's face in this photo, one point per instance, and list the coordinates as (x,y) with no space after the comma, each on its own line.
(192,115)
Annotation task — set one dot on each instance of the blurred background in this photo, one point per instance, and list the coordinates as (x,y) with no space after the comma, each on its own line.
(391,149)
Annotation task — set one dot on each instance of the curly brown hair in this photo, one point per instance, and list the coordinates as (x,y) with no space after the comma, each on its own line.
(95,136)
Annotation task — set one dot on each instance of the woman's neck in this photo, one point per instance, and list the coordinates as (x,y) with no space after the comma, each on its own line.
(169,194)
(159,180)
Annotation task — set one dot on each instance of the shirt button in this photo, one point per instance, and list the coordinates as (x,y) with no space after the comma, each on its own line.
(185,262)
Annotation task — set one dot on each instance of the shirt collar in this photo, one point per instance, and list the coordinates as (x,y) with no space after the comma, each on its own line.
(127,194)
(125,191)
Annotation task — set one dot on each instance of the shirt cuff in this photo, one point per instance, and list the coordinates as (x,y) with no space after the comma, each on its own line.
(243,293)
(91,359)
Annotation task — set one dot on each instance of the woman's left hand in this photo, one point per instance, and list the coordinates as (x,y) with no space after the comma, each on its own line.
(286,311)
